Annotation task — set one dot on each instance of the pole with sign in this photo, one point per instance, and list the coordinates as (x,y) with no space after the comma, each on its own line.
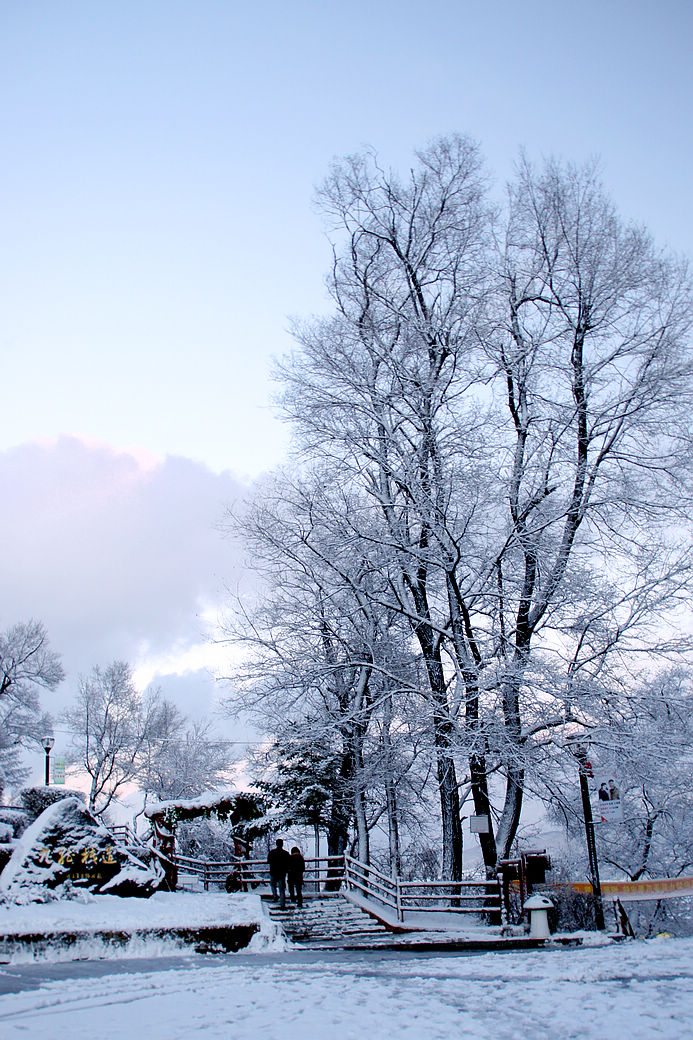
(583,769)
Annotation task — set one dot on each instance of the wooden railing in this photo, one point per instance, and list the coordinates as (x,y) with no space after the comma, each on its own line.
(329,872)
(404,897)
(321,872)
(124,833)
(359,877)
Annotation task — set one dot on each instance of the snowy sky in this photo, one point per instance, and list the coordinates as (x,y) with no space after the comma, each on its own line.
(155,195)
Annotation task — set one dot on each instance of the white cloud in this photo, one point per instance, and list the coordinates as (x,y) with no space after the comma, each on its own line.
(119,554)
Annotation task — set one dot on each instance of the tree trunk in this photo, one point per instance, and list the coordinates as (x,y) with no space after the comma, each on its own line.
(391,793)
(445,765)
(338,826)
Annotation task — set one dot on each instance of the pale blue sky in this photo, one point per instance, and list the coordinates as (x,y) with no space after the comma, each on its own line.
(160,157)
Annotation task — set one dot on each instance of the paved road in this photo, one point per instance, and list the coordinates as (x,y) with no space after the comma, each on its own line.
(17,978)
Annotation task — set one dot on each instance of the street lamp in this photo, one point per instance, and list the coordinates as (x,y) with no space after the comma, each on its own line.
(48,743)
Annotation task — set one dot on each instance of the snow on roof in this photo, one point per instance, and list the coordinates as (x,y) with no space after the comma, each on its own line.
(206,800)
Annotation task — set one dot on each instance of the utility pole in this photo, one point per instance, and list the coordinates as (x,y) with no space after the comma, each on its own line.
(581,755)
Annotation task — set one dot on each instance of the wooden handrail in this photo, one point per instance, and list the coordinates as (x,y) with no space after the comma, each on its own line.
(401,896)
(349,860)
(379,880)
(450,884)
(432,898)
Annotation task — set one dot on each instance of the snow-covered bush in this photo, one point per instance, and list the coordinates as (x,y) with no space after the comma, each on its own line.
(17,819)
(35,799)
(572,911)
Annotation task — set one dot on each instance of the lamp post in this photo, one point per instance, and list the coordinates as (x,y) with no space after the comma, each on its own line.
(48,743)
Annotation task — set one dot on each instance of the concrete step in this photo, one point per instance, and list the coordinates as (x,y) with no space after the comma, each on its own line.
(329,924)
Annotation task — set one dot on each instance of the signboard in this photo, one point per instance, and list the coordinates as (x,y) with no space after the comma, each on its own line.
(606,796)
(84,863)
(479,825)
(58,770)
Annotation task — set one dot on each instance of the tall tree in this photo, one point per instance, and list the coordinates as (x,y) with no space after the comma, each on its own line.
(28,666)
(113,725)
(515,405)
(375,386)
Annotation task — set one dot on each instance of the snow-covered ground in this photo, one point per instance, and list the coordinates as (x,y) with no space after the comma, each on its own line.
(626,991)
(630,991)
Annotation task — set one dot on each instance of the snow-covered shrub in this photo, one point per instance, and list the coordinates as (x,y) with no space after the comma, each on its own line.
(205,839)
(420,863)
(15,818)
(653,916)
(572,911)
(36,799)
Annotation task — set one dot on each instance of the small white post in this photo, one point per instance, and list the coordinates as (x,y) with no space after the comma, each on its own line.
(538,907)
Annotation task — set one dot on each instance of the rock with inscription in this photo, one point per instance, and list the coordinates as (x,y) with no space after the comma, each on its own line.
(67,848)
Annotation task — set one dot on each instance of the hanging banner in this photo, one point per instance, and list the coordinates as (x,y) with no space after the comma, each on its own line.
(58,770)
(605,789)
(632,891)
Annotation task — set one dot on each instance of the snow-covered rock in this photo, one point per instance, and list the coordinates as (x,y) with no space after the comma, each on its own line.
(67,848)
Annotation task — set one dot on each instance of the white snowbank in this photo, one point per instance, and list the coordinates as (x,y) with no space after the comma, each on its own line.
(93,913)
(162,910)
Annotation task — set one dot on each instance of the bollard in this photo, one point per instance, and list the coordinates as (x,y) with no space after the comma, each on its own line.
(538,907)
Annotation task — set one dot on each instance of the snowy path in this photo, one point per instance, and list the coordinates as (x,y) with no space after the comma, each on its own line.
(628,992)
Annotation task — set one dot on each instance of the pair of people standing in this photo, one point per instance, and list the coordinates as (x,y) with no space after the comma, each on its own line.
(285,866)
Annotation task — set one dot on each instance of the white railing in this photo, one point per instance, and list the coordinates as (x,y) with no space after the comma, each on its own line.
(422,896)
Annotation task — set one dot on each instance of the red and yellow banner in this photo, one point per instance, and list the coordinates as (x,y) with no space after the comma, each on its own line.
(631,891)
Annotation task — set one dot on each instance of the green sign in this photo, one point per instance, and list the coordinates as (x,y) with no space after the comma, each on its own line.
(58,770)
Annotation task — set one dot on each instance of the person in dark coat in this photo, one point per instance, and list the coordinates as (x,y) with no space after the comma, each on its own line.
(297,866)
(279,861)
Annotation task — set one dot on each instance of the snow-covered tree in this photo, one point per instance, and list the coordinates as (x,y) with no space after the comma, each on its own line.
(509,407)
(321,653)
(28,666)
(113,725)
(187,759)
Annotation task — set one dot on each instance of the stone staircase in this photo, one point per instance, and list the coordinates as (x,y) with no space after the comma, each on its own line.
(330,922)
